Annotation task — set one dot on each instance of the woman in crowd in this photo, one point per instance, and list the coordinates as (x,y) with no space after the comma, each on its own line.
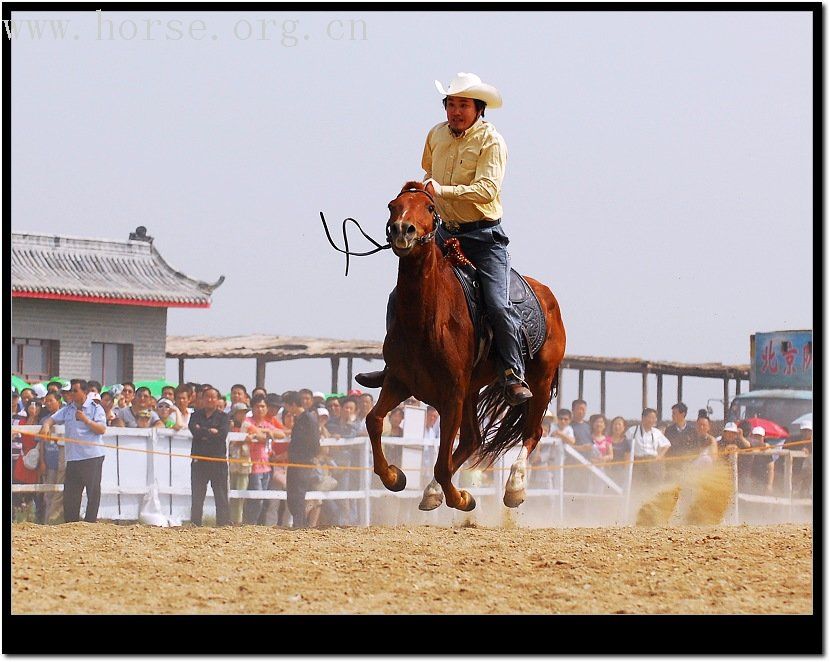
(621,447)
(396,422)
(169,414)
(239,454)
(108,403)
(620,444)
(30,475)
(262,433)
(602,450)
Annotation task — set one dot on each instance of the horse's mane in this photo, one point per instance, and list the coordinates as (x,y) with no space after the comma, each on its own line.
(413,184)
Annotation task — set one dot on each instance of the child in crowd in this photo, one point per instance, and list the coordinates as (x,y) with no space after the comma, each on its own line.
(602,449)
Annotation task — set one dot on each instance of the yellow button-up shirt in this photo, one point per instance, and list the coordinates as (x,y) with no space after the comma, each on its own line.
(469,168)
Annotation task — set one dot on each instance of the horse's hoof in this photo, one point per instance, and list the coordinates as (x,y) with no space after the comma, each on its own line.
(514,499)
(468,503)
(431,502)
(399,481)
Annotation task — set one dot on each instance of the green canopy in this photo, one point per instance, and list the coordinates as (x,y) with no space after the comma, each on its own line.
(19,384)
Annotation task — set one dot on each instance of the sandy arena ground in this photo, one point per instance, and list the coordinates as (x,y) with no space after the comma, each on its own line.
(135,569)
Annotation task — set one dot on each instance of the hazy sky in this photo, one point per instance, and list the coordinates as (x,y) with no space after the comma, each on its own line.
(659,177)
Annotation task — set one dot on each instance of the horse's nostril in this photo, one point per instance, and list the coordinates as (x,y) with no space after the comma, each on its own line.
(410,229)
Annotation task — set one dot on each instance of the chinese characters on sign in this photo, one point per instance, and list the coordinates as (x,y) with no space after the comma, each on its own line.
(770,364)
(783,359)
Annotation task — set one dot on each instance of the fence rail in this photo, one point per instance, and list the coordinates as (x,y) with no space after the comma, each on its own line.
(138,459)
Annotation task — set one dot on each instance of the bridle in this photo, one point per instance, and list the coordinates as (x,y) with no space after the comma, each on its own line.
(436,217)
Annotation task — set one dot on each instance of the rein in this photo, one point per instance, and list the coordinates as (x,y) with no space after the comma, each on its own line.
(420,240)
(347,252)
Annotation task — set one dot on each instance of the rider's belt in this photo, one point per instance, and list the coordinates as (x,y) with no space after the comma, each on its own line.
(473,225)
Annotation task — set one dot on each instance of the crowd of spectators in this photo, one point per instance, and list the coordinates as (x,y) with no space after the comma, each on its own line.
(286,428)
(664,452)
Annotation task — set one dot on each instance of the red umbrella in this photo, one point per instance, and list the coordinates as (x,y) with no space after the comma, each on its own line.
(771,428)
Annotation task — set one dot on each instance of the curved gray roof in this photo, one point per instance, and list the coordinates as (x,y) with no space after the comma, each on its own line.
(61,267)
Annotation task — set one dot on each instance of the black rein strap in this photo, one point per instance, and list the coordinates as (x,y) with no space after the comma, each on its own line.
(379,247)
(347,252)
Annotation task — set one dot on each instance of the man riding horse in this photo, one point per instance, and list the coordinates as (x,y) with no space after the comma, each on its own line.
(464,160)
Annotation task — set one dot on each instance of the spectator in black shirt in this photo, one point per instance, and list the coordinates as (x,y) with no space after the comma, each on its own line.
(209,427)
(303,448)
(681,434)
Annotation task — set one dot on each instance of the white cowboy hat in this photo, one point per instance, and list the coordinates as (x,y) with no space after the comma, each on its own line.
(470,86)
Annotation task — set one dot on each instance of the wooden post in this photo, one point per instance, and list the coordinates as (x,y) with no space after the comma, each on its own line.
(788,477)
(560,389)
(349,373)
(581,383)
(335,368)
(645,388)
(602,392)
(737,386)
(659,397)
(680,388)
(725,396)
(181,371)
(260,371)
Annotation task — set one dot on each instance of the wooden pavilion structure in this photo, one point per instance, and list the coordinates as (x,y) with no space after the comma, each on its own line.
(265,349)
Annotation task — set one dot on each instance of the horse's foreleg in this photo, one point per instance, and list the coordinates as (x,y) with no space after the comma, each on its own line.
(391,395)
(470,435)
(450,422)
(469,442)
(516,488)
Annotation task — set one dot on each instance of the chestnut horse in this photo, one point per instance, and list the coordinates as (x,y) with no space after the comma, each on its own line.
(430,348)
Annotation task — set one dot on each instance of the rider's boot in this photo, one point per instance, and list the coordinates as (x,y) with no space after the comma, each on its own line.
(515,389)
(371,379)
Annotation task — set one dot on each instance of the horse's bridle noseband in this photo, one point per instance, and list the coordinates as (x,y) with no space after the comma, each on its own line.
(436,217)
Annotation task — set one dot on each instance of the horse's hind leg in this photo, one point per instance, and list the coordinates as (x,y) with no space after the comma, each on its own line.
(467,445)
(391,395)
(516,488)
(470,439)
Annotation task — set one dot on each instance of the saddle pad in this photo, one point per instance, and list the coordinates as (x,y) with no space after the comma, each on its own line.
(522,296)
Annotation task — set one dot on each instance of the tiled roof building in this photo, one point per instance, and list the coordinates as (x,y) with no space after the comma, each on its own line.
(101,271)
(94,308)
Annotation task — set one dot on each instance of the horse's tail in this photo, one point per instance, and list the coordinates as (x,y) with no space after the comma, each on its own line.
(503,424)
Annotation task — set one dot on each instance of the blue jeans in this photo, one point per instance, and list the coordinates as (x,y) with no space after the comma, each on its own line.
(486,249)
(254,509)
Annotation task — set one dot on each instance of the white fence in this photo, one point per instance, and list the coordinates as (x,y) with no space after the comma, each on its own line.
(140,458)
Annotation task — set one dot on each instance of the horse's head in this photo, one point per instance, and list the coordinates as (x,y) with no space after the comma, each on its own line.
(413,219)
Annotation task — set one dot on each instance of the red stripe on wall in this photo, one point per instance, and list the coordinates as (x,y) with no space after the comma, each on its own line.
(113,300)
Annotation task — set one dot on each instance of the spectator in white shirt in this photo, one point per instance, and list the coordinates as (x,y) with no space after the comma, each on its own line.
(648,446)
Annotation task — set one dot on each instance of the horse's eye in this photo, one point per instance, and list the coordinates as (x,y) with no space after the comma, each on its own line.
(431,209)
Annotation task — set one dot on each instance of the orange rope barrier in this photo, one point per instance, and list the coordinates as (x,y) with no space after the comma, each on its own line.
(208,458)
